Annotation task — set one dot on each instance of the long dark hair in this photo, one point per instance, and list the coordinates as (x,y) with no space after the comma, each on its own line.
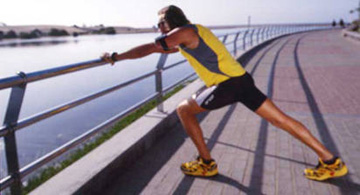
(174,16)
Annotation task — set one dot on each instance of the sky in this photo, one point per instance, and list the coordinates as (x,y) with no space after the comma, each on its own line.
(143,13)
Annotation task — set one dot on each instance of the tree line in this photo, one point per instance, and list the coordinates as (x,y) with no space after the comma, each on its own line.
(54,32)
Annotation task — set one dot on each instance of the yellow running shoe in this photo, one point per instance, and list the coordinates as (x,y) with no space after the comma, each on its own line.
(324,171)
(199,168)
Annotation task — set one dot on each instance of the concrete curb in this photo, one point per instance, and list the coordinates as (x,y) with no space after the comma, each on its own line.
(350,34)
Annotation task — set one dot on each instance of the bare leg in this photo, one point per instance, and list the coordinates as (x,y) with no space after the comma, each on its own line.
(187,111)
(279,119)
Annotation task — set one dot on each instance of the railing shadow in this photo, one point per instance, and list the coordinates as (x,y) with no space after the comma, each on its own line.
(268,155)
(258,165)
(185,184)
(345,184)
(187,181)
(353,188)
(245,58)
(137,177)
(262,57)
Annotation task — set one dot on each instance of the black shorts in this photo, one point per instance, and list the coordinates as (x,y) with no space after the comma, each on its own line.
(237,89)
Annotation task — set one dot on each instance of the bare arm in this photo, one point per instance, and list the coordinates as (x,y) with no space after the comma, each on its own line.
(142,51)
(174,38)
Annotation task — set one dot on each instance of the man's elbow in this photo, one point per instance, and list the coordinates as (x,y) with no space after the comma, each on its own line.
(173,50)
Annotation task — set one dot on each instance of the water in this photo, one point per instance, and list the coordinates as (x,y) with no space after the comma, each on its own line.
(38,139)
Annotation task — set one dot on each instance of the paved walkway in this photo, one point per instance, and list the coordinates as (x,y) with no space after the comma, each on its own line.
(314,77)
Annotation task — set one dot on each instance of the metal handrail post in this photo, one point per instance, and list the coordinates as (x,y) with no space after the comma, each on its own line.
(251,37)
(268,35)
(11,118)
(235,44)
(257,35)
(263,33)
(244,39)
(271,31)
(278,30)
(158,81)
(224,39)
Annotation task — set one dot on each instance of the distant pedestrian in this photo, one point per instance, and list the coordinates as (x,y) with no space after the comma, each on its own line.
(227,83)
(342,23)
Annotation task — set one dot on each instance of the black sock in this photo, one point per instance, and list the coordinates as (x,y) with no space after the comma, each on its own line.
(207,161)
(331,161)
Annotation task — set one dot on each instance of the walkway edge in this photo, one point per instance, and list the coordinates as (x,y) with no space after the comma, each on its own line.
(90,174)
(350,34)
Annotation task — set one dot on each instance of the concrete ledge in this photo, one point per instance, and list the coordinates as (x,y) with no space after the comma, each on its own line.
(90,174)
(350,34)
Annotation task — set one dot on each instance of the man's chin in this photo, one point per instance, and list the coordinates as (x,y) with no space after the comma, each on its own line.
(164,32)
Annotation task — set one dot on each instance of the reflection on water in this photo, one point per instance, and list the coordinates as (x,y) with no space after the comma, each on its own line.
(33,43)
(37,42)
(43,137)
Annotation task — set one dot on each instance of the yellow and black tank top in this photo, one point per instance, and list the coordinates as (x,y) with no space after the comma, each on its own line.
(211,60)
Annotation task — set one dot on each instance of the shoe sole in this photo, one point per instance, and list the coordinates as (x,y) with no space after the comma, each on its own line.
(196,175)
(338,174)
(200,175)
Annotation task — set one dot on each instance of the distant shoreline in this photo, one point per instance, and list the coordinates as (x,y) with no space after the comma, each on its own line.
(39,31)
(76,29)
(45,30)
(70,29)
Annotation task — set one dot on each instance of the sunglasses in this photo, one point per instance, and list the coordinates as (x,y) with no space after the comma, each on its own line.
(161,23)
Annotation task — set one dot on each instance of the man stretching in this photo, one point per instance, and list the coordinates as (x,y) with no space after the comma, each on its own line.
(227,82)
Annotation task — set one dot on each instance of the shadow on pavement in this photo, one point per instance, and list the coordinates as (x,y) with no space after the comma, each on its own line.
(345,184)
(135,178)
(186,182)
(258,165)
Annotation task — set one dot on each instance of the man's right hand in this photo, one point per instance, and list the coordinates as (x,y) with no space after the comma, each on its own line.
(107,58)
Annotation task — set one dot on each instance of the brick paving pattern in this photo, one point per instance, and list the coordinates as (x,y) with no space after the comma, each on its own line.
(315,78)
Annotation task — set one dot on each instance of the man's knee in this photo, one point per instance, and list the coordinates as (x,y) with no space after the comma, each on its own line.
(183,108)
(189,107)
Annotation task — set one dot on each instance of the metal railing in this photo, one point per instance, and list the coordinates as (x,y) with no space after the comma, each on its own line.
(241,39)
